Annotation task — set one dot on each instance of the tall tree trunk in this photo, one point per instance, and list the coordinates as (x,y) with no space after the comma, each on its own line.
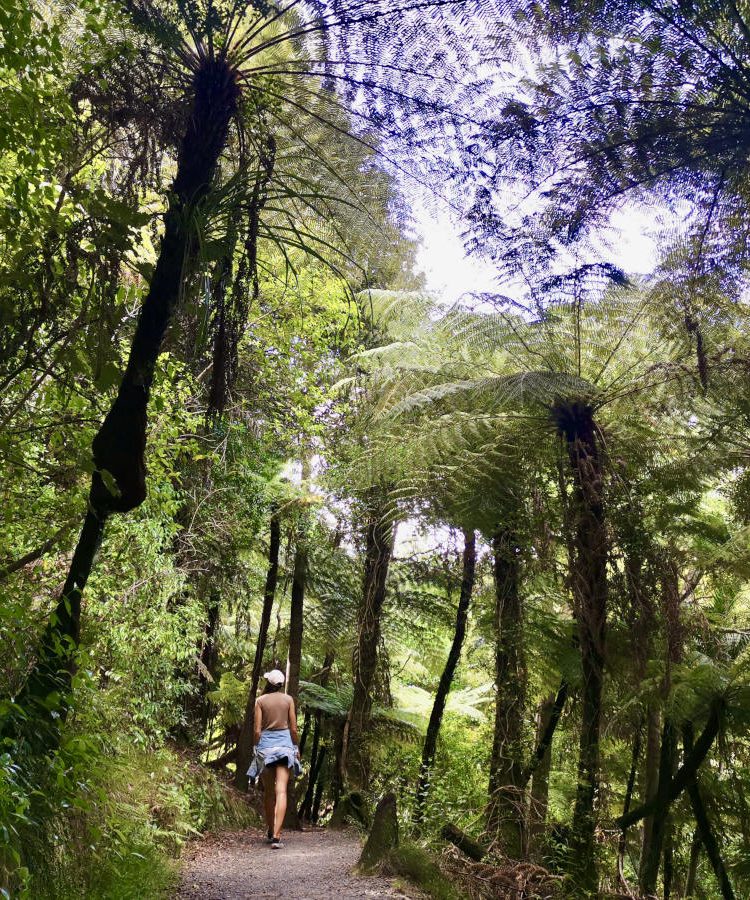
(119,480)
(706,832)
(294,658)
(230,312)
(546,731)
(317,755)
(315,815)
(296,612)
(670,604)
(232,309)
(650,864)
(575,421)
(692,873)
(338,769)
(378,551)
(245,742)
(687,771)
(506,812)
(539,793)
(668,878)
(305,731)
(446,679)
(313,792)
(623,842)
(650,781)
(296,618)
(209,659)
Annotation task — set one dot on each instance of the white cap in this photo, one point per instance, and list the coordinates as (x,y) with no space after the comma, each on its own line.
(275,676)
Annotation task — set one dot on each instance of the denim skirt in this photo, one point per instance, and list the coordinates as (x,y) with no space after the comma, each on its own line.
(274,748)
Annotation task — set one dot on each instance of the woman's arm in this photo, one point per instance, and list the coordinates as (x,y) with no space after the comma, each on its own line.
(257,722)
(293,723)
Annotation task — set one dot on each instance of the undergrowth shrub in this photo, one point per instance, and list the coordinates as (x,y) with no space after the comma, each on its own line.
(94,824)
(458,781)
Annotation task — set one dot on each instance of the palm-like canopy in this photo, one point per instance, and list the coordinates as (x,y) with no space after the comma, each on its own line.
(353,70)
(642,99)
(465,403)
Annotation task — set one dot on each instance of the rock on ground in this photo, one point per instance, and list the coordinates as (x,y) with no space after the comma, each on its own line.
(313,865)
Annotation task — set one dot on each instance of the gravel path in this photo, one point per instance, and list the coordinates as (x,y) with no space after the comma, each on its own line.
(313,865)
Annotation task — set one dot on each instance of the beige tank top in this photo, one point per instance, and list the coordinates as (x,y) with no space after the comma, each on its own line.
(274,711)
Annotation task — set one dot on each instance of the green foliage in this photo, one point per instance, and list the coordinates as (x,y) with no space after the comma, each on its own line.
(105,822)
(340,376)
(230,697)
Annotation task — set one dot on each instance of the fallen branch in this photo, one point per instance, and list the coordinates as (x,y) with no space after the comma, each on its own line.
(465,844)
(512,880)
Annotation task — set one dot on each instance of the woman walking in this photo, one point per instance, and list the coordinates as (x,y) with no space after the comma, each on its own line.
(276,753)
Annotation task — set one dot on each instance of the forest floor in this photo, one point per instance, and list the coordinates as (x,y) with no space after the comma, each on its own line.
(313,865)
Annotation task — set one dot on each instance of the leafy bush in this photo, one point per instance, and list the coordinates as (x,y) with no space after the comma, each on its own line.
(87,823)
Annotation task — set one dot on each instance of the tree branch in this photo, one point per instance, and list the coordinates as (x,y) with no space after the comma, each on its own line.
(546,739)
(10,566)
(684,774)
(705,830)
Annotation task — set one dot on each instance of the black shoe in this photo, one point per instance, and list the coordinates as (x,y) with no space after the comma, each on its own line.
(276,844)
(269,836)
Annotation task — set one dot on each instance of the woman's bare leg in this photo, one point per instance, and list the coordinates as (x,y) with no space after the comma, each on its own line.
(269,798)
(282,780)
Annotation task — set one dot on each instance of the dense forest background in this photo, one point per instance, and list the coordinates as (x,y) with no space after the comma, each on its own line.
(501,546)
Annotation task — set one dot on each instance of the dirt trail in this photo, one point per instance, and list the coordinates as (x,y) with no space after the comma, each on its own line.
(313,865)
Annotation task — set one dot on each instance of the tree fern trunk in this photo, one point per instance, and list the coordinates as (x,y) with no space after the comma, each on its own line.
(231,309)
(304,808)
(548,726)
(296,612)
(119,480)
(506,812)
(575,422)
(660,825)
(317,755)
(245,742)
(296,626)
(622,845)
(338,769)
(315,814)
(446,679)
(378,551)
(668,867)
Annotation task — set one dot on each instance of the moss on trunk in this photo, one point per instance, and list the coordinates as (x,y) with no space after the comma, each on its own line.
(383,837)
